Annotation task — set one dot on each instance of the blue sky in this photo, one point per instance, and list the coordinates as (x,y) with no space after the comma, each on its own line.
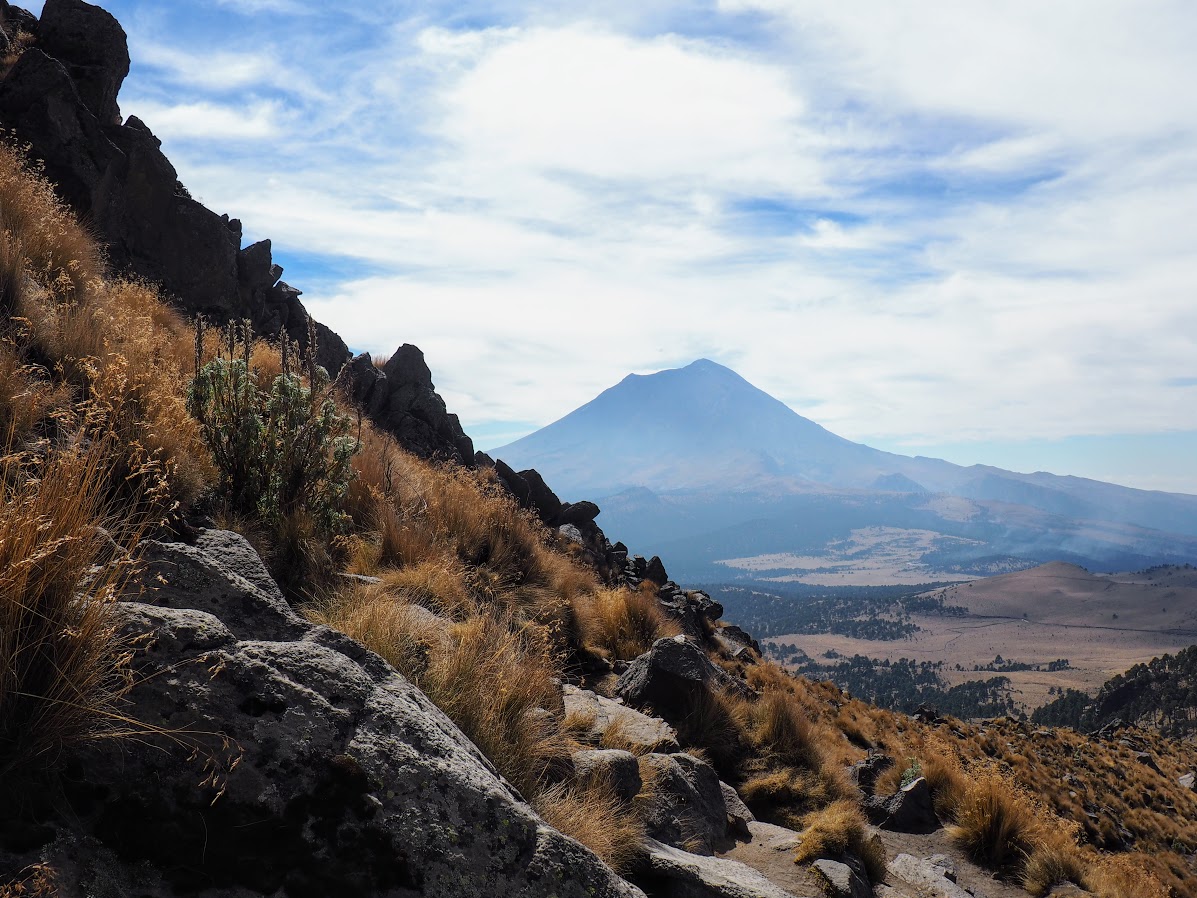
(949,227)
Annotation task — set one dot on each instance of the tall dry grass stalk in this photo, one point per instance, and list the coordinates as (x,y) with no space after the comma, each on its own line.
(60,667)
(44,240)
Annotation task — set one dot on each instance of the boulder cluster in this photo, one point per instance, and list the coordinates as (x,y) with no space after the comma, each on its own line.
(284,759)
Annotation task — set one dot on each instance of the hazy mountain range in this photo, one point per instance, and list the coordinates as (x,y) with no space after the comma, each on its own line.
(701,466)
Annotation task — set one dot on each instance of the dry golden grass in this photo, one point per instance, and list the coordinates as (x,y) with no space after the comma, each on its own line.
(28,398)
(495,677)
(46,242)
(1054,860)
(782,733)
(113,343)
(838,828)
(592,813)
(624,623)
(59,574)
(396,630)
(994,823)
(1122,876)
(36,881)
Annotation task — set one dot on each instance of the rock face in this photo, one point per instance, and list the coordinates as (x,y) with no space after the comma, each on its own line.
(530,490)
(865,773)
(673,873)
(639,731)
(614,766)
(841,881)
(934,876)
(92,46)
(299,763)
(685,806)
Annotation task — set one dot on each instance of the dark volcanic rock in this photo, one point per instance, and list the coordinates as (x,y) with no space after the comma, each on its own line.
(909,810)
(684,806)
(93,46)
(671,676)
(402,400)
(60,98)
(865,773)
(541,499)
(654,570)
(298,763)
(577,513)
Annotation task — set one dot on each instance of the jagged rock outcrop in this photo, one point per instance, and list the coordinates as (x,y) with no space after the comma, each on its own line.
(574,520)
(61,98)
(287,760)
(402,400)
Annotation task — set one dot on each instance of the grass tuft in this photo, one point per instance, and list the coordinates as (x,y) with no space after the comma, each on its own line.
(839,828)
(60,665)
(624,622)
(592,814)
(995,825)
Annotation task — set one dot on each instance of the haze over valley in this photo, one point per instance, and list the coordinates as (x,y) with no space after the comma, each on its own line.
(697,465)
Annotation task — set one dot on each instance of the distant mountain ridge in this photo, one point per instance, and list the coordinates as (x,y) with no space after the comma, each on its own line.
(716,454)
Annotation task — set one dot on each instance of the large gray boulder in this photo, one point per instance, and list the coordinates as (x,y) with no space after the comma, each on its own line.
(674,873)
(671,676)
(286,759)
(683,803)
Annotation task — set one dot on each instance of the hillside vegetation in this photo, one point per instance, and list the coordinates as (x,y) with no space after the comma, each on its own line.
(121,420)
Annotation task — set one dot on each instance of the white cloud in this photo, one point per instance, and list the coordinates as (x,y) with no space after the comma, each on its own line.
(210,121)
(1089,69)
(606,106)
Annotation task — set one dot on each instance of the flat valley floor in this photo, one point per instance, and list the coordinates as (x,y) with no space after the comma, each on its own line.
(1102,624)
